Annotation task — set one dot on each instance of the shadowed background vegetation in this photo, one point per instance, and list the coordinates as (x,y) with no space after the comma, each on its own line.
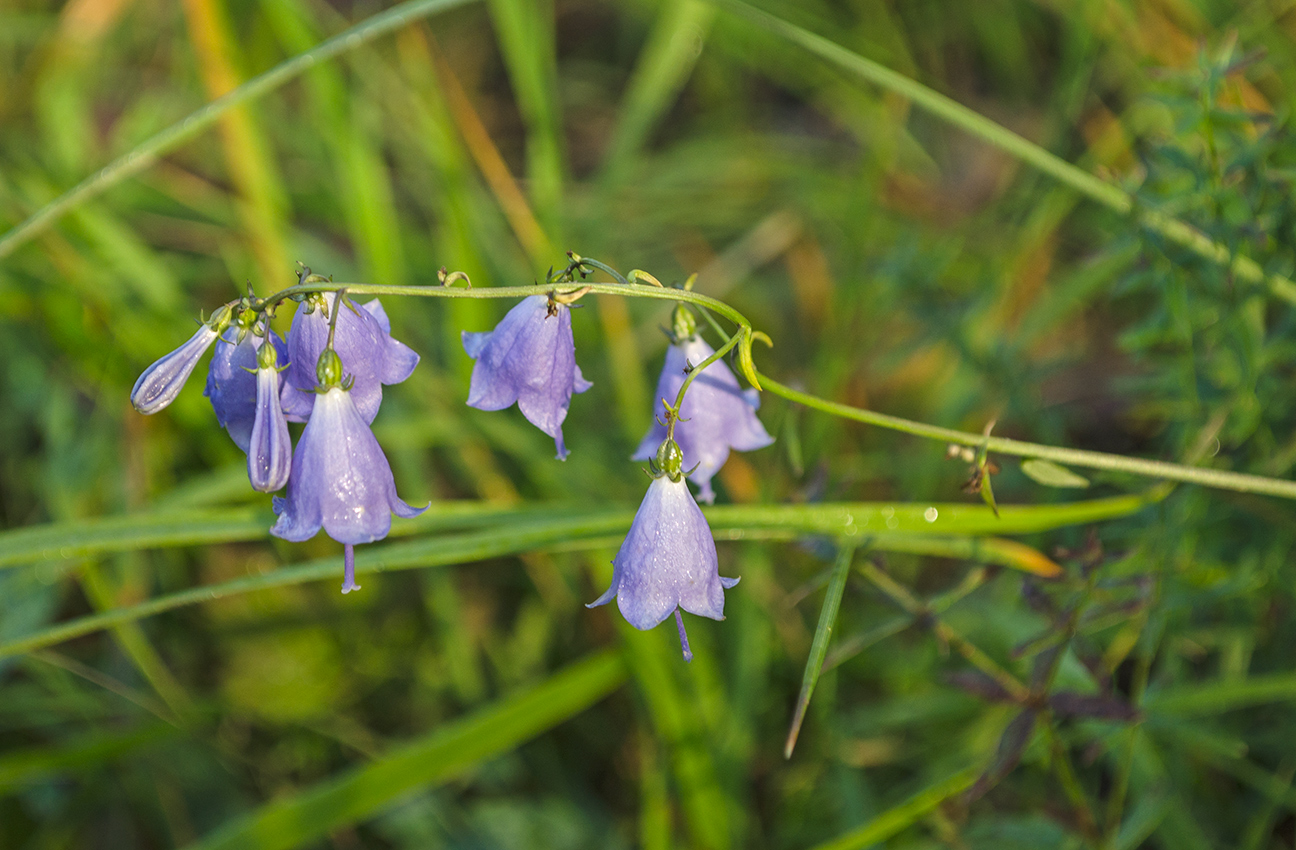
(172,676)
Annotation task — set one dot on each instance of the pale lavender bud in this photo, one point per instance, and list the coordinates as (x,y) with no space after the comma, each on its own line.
(716,416)
(269,448)
(530,358)
(232,380)
(162,382)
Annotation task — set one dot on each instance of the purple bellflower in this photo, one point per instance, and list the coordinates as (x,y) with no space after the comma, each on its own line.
(530,358)
(364,342)
(269,448)
(668,560)
(232,379)
(160,383)
(340,480)
(716,414)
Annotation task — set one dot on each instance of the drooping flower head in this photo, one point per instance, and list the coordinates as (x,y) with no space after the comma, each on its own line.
(716,415)
(530,358)
(232,377)
(160,383)
(269,448)
(362,339)
(341,480)
(668,560)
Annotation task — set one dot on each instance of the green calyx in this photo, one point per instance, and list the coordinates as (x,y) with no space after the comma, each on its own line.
(328,370)
(683,325)
(268,358)
(669,462)
(221,319)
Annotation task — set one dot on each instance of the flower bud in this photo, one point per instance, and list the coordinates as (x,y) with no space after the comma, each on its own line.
(670,460)
(683,325)
(328,370)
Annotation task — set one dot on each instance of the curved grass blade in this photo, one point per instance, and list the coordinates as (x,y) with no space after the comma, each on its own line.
(147,152)
(819,646)
(1028,152)
(904,815)
(449,751)
(84,538)
(592,530)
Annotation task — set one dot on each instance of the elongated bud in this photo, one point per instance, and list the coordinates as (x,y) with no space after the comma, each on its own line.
(670,460)
(160,383)
(269,453)
(328,370)
(683,325)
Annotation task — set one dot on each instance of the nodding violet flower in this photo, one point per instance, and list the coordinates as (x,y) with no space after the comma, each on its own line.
(269,449)
(232,379)
(530,358)
(162,382)
(341,480)
(668,560)
(716,414)
(364,342)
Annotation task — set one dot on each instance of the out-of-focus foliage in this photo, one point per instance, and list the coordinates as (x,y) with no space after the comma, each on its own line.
(899,265)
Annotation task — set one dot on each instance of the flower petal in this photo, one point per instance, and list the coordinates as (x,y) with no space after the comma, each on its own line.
(269,449)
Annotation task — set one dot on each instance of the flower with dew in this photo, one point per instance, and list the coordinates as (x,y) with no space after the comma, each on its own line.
(160,383)
(362,339)
(530,358)
(232,382)
(715,416)
(269,448)
(668,560)
(341,480)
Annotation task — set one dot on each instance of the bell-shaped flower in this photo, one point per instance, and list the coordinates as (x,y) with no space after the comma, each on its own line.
(668,560)
(716,415)
(160,383)
(232,379)
(269,448)
(530,358)
(341,480)
(364,342)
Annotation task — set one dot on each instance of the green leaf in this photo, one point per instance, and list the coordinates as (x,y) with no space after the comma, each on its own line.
(904,815)
(1052,474)
(1216,697)
(449,751)
(819,646)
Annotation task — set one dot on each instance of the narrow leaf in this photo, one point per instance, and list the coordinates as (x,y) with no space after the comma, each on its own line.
(819,647)
(449,751)
(903,816)
(1052,474)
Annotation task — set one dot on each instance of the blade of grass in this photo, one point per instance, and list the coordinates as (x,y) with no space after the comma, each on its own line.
(449,751)
(1208,698)
(251,167)
(61,541)
(525,29)
(904,815)
(147,152)
(1001,137)
(663,66)
(819,646)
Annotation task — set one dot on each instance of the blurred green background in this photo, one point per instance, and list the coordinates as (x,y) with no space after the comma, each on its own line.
(899,264)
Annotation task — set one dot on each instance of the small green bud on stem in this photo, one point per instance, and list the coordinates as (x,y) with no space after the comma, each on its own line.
(670,460)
